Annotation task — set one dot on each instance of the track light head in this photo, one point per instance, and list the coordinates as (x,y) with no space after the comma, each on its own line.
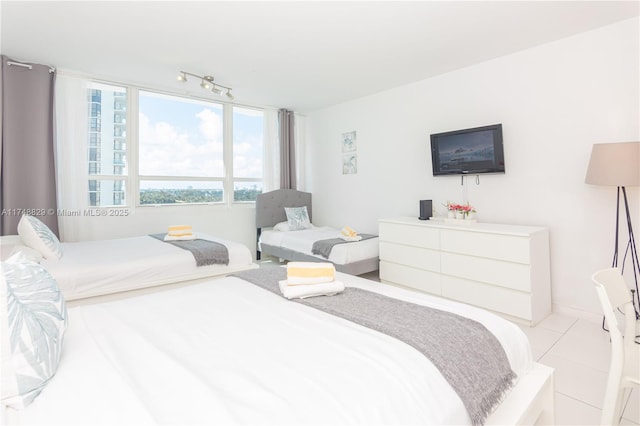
(207,83)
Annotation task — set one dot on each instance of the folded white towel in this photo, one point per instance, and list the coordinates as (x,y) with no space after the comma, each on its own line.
(302,291)
(180,238)
(356,238)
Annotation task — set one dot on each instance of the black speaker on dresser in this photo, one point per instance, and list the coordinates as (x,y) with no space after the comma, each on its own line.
(426,208)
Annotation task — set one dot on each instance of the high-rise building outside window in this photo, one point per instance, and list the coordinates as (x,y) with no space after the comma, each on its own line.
(106,145)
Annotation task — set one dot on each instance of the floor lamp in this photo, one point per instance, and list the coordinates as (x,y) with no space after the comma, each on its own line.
(618,164)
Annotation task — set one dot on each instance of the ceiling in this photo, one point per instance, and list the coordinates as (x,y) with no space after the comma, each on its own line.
(300,55)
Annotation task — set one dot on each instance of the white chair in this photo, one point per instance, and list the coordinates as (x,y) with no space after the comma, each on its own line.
(625,352)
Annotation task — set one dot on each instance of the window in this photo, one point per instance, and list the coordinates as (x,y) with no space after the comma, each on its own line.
(94,124)
(181,150)
(106,145)
(188,150)
(95,107)
(94,156)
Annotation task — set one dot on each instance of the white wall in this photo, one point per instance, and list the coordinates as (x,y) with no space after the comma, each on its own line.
(554,102)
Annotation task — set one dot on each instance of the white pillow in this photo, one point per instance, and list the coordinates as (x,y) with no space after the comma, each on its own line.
(282,226)
(33,319)
(26,254)
(298,218)
(7,244)
(37,235)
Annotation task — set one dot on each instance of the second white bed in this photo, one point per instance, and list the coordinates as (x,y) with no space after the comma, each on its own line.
(302,242)
(94,268)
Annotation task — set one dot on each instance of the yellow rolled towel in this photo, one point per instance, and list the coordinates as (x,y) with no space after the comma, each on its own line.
(348,232)
(179,230)
(303,273)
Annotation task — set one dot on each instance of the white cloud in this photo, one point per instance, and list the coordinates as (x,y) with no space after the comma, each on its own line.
(210,125)
(166,150)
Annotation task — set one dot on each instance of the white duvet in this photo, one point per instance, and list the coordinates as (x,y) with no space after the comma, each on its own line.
(92,268)
(302,241)
(228,352)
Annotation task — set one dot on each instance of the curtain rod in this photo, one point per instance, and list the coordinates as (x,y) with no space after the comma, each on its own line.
(20,64)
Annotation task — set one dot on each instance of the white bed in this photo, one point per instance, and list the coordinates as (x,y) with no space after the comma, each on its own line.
(356,257)
(95,268)
(228,352)
(302,242)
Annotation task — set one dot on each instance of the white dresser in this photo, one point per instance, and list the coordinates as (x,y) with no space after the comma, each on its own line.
(502,268)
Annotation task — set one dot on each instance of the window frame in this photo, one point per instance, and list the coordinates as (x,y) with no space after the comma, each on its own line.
(235,179)
(133,178)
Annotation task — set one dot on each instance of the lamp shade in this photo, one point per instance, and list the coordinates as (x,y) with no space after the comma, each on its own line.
(614,164)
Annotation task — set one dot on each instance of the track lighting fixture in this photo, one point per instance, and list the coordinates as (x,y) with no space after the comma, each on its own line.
(207,83)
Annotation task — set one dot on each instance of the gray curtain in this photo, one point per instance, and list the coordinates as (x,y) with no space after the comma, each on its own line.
(287,149)
(27,163)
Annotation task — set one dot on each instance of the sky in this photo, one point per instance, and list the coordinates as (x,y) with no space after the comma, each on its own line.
(185,138)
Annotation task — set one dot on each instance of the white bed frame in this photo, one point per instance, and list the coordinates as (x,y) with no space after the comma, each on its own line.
(153,288)
(530,402)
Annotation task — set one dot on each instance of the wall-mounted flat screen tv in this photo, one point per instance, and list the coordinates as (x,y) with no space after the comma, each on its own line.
(468,151)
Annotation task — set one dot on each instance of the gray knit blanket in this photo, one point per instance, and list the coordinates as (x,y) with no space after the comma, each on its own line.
(323,247)
(205,252)
(469,356)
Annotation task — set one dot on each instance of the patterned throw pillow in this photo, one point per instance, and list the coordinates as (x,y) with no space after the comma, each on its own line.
(33,319)
(298,218)
(37,235)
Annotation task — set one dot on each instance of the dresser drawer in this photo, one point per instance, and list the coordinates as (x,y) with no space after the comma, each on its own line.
(495,246)
(416,257)
(497,272)
(497,299)
(417,236)
(499,267)
(407,276)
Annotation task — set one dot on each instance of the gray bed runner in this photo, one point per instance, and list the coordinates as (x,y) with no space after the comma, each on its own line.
(205,252)
(323,247)
(469,356)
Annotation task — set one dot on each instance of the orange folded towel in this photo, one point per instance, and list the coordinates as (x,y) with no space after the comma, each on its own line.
(302,273)
(179,233)
(179,230)
(348,232)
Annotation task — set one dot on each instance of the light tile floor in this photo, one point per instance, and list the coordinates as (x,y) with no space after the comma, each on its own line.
(579,351)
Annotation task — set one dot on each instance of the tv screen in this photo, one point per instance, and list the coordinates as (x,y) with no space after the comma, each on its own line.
(468,151)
